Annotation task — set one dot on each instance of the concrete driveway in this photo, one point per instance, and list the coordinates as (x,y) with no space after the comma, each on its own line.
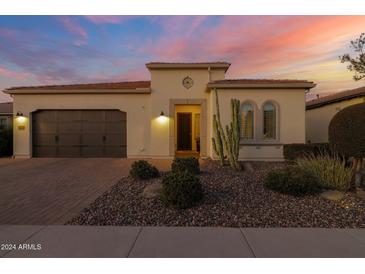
(43,191)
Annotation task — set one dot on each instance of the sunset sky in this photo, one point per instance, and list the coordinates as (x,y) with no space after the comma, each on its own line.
(37,50)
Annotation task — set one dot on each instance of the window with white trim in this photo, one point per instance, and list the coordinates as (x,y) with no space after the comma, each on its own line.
(269,116)
(247,127)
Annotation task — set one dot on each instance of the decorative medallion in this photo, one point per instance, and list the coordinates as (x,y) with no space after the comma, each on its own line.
(187,82)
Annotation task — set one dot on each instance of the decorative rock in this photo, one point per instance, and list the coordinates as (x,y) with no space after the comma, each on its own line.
(152,191)
(360,193)
(332,195)
(247,166)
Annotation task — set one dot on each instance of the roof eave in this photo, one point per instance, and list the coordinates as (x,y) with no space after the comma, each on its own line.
(257,86)
(224,66)
(78,91)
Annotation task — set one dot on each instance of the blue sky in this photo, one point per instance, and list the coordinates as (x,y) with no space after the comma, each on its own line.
(37,50)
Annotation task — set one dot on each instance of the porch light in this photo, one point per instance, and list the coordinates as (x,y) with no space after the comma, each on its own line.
(162,118)
(20,117)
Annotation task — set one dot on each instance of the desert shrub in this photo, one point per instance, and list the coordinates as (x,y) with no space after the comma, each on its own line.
(293,181)
(346,132)
(143,170)
(190,164)
(6,142)
(295,151)
(330,170)
(181,189)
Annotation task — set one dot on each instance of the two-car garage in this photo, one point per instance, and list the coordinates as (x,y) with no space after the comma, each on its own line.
(79,133)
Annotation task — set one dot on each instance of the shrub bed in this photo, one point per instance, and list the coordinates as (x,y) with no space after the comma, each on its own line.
(143,170)
(181,189)
(293,181)
(331,171)
(189,164)
(295,151)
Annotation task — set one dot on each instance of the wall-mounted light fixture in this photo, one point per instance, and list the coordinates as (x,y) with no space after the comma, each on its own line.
(162,118)
(20,118)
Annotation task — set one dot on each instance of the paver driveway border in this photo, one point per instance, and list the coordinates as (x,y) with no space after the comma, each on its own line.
(187,242)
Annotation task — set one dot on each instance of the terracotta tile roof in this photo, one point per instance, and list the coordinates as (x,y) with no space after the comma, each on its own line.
(6,108)
(261,83)
(336,97)
(258,81)
(117,85)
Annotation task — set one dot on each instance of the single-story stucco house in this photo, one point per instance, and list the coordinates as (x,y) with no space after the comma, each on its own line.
(320,111)
(161,118)
(6,115)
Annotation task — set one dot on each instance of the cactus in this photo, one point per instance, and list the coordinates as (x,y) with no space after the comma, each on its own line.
(230,139)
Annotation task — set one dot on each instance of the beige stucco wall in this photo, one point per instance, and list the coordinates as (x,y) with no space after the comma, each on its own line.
(137,107)
(318,119)
(167,85)
(150,136)
(290,119)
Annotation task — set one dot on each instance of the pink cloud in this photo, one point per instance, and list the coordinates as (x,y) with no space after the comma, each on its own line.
(73,26)
(109,19)
(13,74)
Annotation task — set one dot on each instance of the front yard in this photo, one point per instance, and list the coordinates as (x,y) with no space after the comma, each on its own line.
(232,199)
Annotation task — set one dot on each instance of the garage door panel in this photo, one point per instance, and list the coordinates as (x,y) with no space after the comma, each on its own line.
(69,127)
(68,115)
(115,115)
(93,127)
(44,139)
(45,127)
(114,139)
(69,139)
(93,139)
(114,127)
(79,133)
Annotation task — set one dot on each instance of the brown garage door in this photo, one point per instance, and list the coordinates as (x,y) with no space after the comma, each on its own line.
(79,133)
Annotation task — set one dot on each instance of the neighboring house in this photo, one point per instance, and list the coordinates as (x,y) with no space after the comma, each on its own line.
(319,112)
(160,118)
(6,115)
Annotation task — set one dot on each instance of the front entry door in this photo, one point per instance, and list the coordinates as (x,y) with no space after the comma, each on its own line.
(184,129)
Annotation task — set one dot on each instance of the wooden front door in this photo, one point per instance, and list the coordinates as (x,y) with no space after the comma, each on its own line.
(184,130)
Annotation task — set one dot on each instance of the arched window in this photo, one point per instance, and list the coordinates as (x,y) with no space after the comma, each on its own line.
(247,128)
(269,130)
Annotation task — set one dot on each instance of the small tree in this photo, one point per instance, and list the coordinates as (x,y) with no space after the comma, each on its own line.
(346,135)
(356,64)
(229,140)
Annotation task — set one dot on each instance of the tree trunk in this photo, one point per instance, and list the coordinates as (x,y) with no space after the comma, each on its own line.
(353,178)
(358,173)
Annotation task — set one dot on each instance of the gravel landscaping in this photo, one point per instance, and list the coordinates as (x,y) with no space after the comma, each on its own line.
(231,199)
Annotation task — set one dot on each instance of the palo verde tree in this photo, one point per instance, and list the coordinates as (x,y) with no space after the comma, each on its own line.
(356,64)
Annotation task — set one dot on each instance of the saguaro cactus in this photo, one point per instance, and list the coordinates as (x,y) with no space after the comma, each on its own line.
(230,139)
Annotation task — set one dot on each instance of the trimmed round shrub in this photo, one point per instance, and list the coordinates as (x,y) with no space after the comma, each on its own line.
(143,170)
(181,189)
(293,181)
(190,164)
(346,132)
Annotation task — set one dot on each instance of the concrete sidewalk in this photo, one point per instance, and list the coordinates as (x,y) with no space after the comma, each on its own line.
(178,242)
